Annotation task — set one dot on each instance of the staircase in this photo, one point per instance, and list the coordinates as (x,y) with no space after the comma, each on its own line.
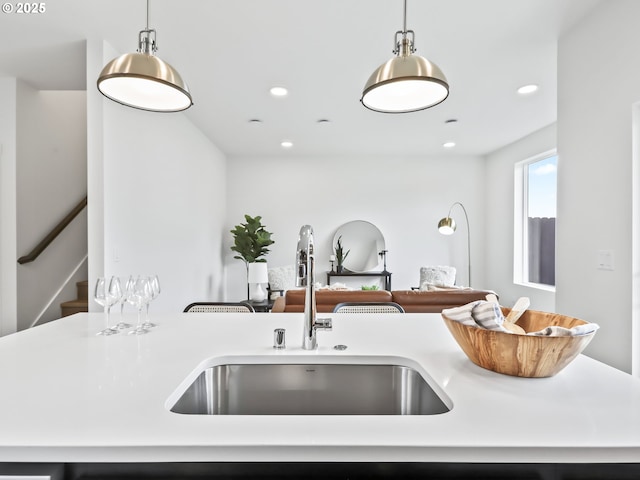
(80,304)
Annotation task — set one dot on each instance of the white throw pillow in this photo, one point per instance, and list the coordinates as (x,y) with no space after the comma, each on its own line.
(282,278)
(439,276)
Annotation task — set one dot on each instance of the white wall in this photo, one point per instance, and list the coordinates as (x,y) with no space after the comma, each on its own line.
(164,204)
(98,53)
(635,244)
(500,215)
(404,197)
(599,81)
(51,180)
(163,197)
(8,249)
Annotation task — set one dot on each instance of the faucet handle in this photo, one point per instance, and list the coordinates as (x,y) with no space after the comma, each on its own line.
(324,324)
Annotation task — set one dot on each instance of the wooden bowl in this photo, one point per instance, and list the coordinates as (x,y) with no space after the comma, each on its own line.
(521,355)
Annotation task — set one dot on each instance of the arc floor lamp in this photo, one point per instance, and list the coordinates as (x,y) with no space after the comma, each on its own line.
(447,225)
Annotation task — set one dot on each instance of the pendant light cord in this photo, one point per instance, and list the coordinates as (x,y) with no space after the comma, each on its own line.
(404,22)
(147,38)
(400,46)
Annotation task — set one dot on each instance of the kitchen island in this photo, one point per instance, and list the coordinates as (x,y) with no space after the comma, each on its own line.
(70,397)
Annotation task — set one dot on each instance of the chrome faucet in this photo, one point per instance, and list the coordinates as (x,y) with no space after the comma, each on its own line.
(305,277)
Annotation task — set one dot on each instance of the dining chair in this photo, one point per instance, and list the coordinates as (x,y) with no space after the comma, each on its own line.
(219,307)
(368,307)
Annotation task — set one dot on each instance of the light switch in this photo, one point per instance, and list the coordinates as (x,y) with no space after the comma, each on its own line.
(605,260)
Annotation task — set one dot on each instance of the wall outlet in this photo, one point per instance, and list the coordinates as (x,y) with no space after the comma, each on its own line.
(605,260)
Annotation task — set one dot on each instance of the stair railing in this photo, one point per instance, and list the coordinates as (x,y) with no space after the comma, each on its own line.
(50,237)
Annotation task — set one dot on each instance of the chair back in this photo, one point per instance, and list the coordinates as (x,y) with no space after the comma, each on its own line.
(219,307)
(368,307)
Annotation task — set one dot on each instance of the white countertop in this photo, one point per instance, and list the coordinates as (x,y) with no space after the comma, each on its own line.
(67,395)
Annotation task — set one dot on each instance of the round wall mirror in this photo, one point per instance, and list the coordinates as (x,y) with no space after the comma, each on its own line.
(364,241)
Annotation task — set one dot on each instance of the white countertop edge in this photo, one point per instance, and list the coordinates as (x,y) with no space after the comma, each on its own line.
(292,454)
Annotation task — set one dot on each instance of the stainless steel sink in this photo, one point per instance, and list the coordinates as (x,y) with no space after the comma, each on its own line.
(309,389)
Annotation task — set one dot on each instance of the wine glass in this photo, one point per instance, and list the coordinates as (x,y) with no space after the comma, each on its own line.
(154,289)
(104,295)
(138,295)
(124,285)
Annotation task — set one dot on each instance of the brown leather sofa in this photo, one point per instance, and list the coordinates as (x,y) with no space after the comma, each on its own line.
(326,300)
(413,301)
(418,301)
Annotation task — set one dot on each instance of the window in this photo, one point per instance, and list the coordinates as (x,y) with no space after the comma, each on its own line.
(535,221)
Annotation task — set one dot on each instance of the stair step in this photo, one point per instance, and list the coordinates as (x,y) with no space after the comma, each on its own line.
(83,290)
(81,304)
(74,306)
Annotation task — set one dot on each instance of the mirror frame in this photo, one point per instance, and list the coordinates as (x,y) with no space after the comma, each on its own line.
(364,262)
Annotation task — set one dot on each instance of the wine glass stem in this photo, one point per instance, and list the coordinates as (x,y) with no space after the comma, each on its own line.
(139,324)
(108,317)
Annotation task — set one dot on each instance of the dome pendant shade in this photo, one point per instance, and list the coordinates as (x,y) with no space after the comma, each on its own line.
(144,81)
(405,84)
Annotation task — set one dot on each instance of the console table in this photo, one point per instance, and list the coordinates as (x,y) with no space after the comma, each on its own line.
(386,275)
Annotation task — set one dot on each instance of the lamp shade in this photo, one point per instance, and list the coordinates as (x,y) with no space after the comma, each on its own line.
(447,226)
(258,273)
(406,83)
(144,81)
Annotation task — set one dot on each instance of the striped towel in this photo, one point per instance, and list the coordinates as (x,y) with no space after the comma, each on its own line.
(462,314)
(555,331)
(480,314)
(489,315)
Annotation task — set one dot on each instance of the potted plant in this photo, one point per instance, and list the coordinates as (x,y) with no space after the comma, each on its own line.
(251,241)
(341,255)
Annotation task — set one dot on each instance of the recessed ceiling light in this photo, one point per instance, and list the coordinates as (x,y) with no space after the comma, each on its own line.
(451,121)
(449,144)
(279,91)
(286,144)
(324,121)
(255,121)
(527,89)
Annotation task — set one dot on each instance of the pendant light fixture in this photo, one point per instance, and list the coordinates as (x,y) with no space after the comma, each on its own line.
(142,80)
(407,82)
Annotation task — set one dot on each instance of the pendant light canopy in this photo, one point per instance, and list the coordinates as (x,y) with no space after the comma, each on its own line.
(407,82)
(142,80)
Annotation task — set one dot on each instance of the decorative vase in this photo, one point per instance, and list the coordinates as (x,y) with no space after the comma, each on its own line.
(257,293)
(339,268)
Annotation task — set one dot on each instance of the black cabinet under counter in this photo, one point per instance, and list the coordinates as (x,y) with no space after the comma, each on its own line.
(327,471)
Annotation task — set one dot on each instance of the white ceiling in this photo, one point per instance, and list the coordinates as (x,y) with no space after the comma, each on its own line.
(231,53)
